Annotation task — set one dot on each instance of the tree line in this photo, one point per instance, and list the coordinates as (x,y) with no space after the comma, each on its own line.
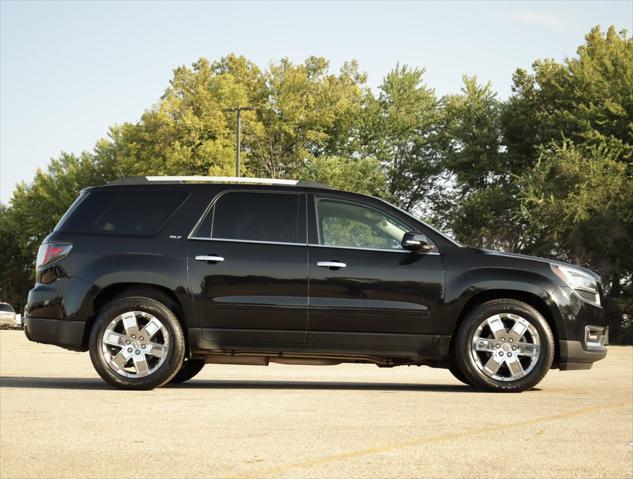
(547,171)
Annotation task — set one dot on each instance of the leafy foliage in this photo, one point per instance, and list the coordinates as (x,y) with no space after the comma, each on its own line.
(547,171)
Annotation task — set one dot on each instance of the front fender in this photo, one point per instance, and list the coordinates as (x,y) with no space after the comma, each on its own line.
(464,288)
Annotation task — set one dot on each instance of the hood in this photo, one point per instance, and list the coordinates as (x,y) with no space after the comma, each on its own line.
(535,258)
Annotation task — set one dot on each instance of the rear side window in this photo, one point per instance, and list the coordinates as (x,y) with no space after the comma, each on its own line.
(269,217)
(136,213)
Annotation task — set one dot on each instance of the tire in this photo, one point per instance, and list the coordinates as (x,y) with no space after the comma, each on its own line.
(189,369)
(458,374)
(504,345)
(137,343)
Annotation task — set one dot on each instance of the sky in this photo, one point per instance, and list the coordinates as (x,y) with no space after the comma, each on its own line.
(70,70)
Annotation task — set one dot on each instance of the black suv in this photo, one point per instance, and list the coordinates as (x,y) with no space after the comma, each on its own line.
(157,276)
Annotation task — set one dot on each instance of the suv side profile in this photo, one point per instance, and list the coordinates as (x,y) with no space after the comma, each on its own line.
(156,276)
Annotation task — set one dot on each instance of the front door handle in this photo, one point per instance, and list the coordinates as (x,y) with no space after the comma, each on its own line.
(331,264)
(212,257)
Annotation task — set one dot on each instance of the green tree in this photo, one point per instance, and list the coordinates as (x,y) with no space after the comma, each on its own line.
(35,209)
(310,112)
(586,99)
(578,202)
(480,207)
(400,130)
(472,137)
(16,278)
(362,175)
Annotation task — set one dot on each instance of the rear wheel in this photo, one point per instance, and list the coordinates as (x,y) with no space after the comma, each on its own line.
(189,369)
(137,343)
(504,345)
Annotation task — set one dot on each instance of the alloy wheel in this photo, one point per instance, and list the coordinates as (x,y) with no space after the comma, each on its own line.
(505,347)
(135,344)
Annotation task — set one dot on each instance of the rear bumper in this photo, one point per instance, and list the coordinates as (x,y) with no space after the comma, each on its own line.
(64,333)
(574,356)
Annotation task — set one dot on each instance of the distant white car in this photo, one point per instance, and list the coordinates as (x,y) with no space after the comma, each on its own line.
(7,315)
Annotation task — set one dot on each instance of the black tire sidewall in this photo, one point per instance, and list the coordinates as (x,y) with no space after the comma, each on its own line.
(189,369)
(175,355)
(458,374)
(471,371)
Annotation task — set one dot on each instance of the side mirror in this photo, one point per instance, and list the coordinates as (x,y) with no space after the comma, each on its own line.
(416,242)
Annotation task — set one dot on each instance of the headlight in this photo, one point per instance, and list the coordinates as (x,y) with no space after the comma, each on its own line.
(582,283)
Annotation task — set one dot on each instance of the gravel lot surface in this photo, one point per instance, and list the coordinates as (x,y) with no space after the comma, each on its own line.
(58,419)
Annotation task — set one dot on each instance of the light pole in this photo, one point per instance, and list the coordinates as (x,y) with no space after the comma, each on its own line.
(238,135)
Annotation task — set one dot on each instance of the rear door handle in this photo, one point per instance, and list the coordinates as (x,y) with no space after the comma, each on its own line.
(331,264)
(211,257)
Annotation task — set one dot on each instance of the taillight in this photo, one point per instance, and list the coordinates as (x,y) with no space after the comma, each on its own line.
(50,252)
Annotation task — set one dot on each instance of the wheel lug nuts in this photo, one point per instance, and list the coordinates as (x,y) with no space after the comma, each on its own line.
(141,338)
(142,346)
(500,353)
(498,345)
(502,339)
(508,340)
(129,350)
(127,342)
(514,348)
(138,352)
(133,336)
(509,354)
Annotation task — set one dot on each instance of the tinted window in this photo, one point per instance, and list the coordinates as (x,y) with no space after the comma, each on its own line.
(270,217)
(6,308)
(139,213)
(348,224)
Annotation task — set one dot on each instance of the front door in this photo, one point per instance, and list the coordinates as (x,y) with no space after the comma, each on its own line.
(366,292)
(248,270)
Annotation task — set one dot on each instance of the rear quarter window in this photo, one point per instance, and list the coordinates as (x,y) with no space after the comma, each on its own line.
(135,213)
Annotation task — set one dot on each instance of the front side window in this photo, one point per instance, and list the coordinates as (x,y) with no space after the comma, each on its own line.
(266,217)
(348,224)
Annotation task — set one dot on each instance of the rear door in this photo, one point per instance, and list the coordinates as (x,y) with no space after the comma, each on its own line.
(248,269)
(366,292)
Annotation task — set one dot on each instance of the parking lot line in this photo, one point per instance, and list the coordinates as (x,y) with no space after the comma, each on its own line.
(345,456)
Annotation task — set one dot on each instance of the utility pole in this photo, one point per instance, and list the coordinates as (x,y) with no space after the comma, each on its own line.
(238,110)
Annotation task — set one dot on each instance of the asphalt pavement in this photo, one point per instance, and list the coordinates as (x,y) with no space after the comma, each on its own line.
(59,419)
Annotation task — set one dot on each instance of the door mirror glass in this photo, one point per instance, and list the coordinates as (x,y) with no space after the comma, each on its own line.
(416,242)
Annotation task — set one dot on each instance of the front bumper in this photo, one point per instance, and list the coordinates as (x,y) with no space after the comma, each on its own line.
(64,333)
(574,356)
(581,329)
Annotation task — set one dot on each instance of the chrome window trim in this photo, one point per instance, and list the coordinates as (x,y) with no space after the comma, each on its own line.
(402,251)
(399,251)
(217,197)
(229,240)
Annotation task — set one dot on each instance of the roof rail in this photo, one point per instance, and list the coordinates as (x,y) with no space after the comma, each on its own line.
(131,180)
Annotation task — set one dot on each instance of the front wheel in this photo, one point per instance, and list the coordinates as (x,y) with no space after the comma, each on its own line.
(137,343)
(504,345)
(458,374)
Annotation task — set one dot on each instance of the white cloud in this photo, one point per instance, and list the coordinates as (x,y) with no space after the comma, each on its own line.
(535,18)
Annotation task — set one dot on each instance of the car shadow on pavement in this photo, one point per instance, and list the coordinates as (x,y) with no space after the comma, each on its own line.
(98,384)
(319,385)
(52,383)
